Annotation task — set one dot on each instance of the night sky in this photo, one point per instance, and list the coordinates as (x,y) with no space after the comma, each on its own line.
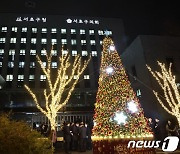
(145,17)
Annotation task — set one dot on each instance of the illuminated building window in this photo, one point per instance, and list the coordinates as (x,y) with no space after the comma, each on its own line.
(14,29)
(100,32)
(1,63)
(43,41)
(44,64)
(92,42)
(31,77)
(21,64)
(1,51)
(66,77)
(63,31)
(32,52)
(2,40)
(43,52)
(64,41)
(75,77)
(23,40)
(54,65)
(13,40)
(9,77)
(24,29)
(32,65)
(10,64)
(138,93)
(82,31)
(64,52)
(34,30)
(84,53)
(33,40)
(83,42)
(4,29)
(42,77)
(94,53)
(22,52)
(44,30)
(54,52)
(12,52)
(86,77)
(20,77)
(53,30)
(101,42)
(54,41)
(74,52)
(91,32)
(73,42)
(73,31)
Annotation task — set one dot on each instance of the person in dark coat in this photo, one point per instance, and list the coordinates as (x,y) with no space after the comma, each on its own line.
(88,137)
(67,137)
(82,137)
(75,132)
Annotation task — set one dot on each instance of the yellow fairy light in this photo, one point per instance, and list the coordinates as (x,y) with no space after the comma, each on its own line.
(166,80)
(53,95)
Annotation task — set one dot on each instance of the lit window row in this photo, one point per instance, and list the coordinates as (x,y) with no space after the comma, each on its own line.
(54,30)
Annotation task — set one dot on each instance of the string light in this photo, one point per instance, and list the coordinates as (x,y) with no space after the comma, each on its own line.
(166,80)
(111,47)
(109,70)
(53,96)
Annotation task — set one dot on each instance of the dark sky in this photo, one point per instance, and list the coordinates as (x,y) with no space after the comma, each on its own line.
(146,17)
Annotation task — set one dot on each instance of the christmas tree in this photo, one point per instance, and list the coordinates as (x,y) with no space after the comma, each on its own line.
(118,114)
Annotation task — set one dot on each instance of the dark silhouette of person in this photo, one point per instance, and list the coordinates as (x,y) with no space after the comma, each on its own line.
(34,126)
(88,137)
(82,137)
(75,133)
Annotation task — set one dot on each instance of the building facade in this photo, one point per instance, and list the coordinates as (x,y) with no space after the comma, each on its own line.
(22,37)
(148,50)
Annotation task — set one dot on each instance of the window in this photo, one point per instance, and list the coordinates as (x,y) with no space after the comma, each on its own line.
(54,52)
(53,30)
(42,77)
(43,52)
(22,52)
(32,65)
(75,77)
(64,41)
(20,77)
(73,42)
(91,32)
(44,30)
(2,40)
(138,93)
(1,51)
(34,30)
(94,53)
(92,42)
(54,41)
(31,77)
(64,52)
(43,41)
(86,77)
(82,31)
(101,42)
(23,40)
(44,64)
(63,31)
(1,63)
(33,40)
(32,52)
(4,29)
(10,64)
(83,42)
(13,40)
(84,53)
(54,65)
(14,29)
(66,77)
(73,31)
(12,52)
(24,29)
(9,77)
(21,64)
(74,53)
(100,32)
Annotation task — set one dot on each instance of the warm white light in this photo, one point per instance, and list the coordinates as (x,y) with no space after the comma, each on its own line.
(111,47)
(132,106)
(109,70)
(120,118)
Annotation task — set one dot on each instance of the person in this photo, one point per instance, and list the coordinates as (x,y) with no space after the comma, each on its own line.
(88,137)
(171,129)
(82,137)
(34,125)
(67,137)
(54,137)
(43,129)
(157,129)
(75,133)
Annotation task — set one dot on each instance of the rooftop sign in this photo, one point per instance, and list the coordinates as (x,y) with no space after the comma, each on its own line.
(80,21)
(31,19)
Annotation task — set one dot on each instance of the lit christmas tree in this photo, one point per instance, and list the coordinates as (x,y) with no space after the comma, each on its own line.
(118,114)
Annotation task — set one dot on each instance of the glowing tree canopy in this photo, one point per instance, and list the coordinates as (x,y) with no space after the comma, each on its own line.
(57,85)
(117,110)
(167,81)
